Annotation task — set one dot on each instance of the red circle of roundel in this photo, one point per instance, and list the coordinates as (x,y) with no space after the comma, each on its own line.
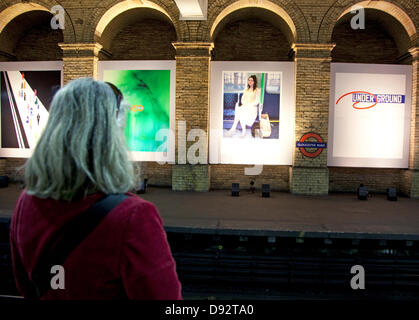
(315,153)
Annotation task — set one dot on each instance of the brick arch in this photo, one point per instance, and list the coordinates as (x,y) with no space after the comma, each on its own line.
(193,30)
(108,10)
(17,8)
(287,10)
(341,7)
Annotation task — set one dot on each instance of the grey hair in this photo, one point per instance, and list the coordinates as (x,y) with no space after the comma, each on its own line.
(82,148)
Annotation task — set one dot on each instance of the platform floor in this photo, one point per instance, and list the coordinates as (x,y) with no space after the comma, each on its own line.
(283,214)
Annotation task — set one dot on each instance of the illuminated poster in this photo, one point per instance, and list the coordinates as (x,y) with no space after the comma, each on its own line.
(26,94)
(251,103)
(369,116)
(148,94)
(251,113)
(148,87)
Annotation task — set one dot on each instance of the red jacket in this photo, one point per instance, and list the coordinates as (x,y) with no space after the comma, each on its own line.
(126,256)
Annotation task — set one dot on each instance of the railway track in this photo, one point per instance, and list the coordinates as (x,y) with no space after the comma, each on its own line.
(289,268)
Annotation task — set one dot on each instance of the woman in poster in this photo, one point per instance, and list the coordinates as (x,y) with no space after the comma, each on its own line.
(247,112)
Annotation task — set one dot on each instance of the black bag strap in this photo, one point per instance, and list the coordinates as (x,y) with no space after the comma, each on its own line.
(75,232)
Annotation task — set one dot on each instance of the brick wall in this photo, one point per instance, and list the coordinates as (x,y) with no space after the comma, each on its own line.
(30,37)
(312,74)
(377,180)
(3,167)
(12,167)
(251,40)
(371,45)
(414,186)
(145,40)
(192,107)
(157,174)
(40,44)
(80,60)
(76,68)
(406,182)
(414,128)
(309,180)
(414,116)
(223,175)
(189,177)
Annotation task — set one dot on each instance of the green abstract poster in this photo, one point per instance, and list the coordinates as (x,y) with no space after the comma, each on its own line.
(148,93)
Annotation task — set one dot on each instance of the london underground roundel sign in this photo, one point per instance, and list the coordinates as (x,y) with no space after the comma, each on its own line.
(318,145)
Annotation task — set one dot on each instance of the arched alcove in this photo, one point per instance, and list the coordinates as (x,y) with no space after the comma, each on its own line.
(252,34)
(139,34)
(383,40)
(335,14)
(29,37)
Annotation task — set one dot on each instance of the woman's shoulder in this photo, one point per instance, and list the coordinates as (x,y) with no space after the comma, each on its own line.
(134,205)
(138,214)
(134,199)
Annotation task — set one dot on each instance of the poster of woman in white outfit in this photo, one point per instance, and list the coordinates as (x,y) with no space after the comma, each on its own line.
(246,111)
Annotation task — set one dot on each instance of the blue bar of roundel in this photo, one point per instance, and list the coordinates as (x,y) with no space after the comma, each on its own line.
(311,144)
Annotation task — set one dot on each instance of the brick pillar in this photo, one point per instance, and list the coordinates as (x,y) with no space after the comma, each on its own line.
(192,107)
(80,60)
(2,166)
(312,75)
(411,180)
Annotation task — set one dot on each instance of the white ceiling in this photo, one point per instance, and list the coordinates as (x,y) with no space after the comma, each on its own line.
(192,9)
